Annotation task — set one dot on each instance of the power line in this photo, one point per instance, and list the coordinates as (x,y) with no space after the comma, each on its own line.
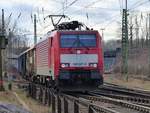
(87,6)
(104,8)
(9,19)
(15,23)
(71,3)
(140,5)
(57,1)
(136,3)
(91,4)
(63,9)
(109,21)
(112,18)
(39,20)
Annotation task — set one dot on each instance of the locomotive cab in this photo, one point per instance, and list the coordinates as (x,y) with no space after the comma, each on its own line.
(80,58)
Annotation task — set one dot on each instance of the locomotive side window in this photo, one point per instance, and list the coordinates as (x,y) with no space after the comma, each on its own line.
(85,40)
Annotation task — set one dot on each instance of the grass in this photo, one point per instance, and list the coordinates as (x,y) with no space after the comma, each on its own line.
(34,106)
(8,97)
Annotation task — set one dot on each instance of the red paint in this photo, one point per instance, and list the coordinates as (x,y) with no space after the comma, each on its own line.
(53,52)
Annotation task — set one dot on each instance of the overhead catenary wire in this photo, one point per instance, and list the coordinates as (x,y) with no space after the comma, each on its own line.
(109,8)
(64,8)
(136,3)
(15,23)
(73,2)
(87,6)
(68,5)
(108,21)
(92,3)
(112,20)
(9,19)
(39,20)
(140,4)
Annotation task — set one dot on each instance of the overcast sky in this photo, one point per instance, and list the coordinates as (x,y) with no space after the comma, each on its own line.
(94,13)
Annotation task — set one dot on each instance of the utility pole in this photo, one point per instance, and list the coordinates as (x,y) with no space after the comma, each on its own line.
(102,29)
(149,43)
(137,32)
(149,28)
(1,72)
(131,33)
(142,35)
(35,34)
(131,36)
(2,41)
(125,43)
(102,40)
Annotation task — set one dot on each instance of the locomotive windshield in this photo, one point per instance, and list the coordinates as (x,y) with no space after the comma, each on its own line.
(75,41)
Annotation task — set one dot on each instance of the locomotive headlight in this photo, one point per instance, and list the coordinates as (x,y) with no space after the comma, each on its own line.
(64,65)
(38,77)
(47,79)
(93,64)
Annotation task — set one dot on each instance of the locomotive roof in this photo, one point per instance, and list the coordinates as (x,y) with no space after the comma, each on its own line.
(52,33)
(77,31)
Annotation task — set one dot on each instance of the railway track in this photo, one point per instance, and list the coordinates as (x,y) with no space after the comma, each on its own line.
(134,99)
(94,101)
(126,98)
(113,104)
(130,95)
(122,93)
(122,105)
(122,88)
(92,108)
(57,100)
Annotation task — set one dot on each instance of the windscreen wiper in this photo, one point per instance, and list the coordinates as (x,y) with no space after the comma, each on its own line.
(72,46)
(83,44)
(78,44)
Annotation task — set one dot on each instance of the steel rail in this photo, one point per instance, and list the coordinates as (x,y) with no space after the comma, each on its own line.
(134,99)
(79,101)
(127,89)
(122,103)
(55,98)
(115,90)
(91,105)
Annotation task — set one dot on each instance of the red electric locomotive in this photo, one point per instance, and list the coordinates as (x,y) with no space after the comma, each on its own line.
(69,56)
